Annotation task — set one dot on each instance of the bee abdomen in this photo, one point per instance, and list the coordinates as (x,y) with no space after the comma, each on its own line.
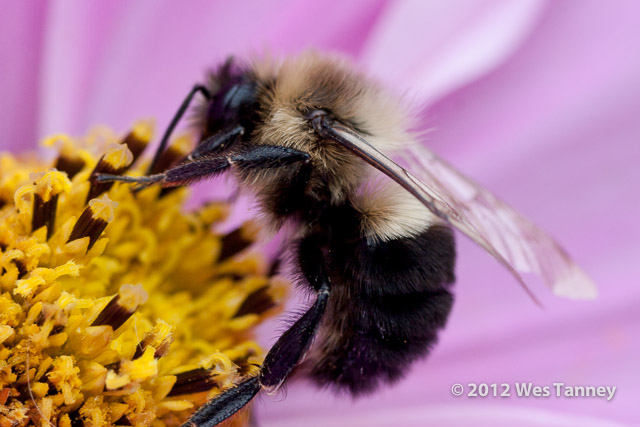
(387,305)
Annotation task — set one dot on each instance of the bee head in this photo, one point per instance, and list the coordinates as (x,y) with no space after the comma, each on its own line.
(233,100)
(275,102)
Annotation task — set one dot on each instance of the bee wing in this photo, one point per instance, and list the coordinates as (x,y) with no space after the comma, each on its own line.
(509,237)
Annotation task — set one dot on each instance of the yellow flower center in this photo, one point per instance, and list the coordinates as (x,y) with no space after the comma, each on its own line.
(116,306)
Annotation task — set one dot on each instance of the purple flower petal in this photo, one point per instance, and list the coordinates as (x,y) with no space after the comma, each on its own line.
(537,101)
(429,48)
(21,32)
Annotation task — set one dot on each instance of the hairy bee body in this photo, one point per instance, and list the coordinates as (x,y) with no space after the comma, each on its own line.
(305,135)
(379,260)
(389,260)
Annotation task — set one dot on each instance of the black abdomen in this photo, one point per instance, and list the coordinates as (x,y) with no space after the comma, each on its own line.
(387,303)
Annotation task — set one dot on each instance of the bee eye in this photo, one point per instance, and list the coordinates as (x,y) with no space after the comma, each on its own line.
(320,120)
(315,113)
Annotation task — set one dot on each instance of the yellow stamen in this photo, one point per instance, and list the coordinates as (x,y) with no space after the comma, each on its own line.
(142,130)
(114,306)
(51,184)
(118,156)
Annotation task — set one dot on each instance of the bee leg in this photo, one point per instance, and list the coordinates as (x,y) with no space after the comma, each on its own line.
(142,181)
(225,405)
(216,142)
(285,354)
(268,156)
(189,171)
(292,346)
(174,122)
(257,157)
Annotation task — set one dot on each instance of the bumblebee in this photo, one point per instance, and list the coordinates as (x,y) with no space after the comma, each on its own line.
(306,135)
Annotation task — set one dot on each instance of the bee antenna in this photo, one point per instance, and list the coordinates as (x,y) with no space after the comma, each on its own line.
(174,122)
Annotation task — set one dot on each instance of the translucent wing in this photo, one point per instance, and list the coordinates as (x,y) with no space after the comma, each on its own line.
(508,236)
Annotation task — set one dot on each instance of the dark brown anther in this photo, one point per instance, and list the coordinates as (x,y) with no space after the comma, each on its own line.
(140,348)
(138,139)
(122,306)
(22,268)
(160,351)
(114,366)
(243,364)
(47,188)
(68,164)
(257,302)
(93,220)
(194,381)
(238,240)
(88,225)
(44,213)
(160,337)
(115,161)
(57,329)
(168,158)
(113,314)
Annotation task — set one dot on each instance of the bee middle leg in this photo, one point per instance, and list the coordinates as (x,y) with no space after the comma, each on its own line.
(216,142)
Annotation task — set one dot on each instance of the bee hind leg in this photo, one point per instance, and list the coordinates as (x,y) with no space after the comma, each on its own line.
(225,405)
(292,346)
(281,359)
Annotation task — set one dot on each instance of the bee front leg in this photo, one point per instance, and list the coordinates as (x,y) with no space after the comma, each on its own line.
(190,171)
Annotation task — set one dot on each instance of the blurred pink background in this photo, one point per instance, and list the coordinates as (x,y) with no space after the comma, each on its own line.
(539,101)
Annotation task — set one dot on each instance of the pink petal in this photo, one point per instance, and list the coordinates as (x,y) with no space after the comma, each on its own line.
(429,48)
(21,28)
(113,62)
